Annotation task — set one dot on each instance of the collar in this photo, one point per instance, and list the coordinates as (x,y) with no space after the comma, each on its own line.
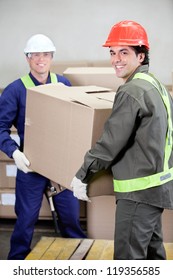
(140,69)
(36,82)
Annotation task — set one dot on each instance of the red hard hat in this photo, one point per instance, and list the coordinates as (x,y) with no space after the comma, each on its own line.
(127,33)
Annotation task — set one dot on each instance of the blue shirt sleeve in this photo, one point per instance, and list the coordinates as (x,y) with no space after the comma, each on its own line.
(64,80)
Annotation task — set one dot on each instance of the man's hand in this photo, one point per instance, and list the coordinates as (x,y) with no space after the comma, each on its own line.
(21,161)
(79,189)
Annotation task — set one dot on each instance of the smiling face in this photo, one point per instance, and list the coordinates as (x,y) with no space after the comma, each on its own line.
(40,63)
(125,61)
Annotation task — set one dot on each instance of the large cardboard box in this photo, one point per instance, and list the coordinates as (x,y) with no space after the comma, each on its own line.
(60,66)
(167,225)
(101,217)
(99,76)
(62,123)
(7,201)
(8,171)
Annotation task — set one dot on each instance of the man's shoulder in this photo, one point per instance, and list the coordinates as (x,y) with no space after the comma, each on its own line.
(64,80)
(15,85)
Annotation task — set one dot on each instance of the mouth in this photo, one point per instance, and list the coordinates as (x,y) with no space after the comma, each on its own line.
(41,64)
(119,67)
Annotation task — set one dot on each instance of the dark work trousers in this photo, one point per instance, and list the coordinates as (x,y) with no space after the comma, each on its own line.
(138,232)
(30,189)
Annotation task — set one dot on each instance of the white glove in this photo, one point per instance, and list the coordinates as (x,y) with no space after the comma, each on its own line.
(21,161)
(79,189)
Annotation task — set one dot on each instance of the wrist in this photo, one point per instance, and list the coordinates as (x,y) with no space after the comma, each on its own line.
(14,152)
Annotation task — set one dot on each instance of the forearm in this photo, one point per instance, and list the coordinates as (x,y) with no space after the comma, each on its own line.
(92,164)
(7,144)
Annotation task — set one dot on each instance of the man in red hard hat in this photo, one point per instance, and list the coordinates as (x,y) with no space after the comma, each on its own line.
(137,145)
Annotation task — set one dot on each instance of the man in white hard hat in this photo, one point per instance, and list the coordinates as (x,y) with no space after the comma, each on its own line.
(30,186)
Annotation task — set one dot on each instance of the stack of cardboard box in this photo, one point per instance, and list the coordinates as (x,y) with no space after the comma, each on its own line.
(7,182)
(8,171)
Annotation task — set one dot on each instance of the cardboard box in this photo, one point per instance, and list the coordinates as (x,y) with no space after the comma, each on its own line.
(8,171)
(101,217)
(7,201)
(62,123)
(4,157)
(101,184)
(167,225)
(60,66)
(99,76)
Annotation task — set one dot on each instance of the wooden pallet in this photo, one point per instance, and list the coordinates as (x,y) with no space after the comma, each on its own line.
(55,248)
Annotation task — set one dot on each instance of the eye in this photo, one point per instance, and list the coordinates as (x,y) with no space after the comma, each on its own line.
(112,53)
(124,52)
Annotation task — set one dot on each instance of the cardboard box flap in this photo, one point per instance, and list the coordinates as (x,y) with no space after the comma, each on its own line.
(60,89)
(96,101)
(91,96)
(108,97)
(52,90)
(92,89)
(92,102)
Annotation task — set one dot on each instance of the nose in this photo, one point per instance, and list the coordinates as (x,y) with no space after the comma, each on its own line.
(115,58)
(41,56)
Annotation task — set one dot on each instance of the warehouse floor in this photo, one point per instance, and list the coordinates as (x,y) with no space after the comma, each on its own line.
(45,228)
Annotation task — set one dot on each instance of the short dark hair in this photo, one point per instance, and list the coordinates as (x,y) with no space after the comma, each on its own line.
(142,49)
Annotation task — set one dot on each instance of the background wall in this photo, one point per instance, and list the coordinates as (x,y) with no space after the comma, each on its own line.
(79,28)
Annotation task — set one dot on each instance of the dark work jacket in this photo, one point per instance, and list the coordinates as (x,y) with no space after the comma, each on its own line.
(12,112)
(133,141)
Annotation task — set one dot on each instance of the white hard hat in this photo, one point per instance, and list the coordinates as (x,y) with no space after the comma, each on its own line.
(39,43)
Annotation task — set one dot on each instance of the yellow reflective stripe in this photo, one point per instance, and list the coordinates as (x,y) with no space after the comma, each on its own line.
(167,174)
(164,95)
(142,183)
(169,140)
(53,78)
(28,82)
(147,77)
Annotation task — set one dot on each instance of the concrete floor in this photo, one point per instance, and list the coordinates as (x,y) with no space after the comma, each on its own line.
(43,228)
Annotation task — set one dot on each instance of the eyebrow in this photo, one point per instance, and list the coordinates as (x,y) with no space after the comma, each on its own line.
(123,49)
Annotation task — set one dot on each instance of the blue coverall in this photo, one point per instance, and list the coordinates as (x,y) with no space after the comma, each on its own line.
(31,187)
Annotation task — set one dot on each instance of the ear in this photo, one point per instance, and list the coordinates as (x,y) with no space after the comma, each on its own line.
(141,57)
(28,59)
